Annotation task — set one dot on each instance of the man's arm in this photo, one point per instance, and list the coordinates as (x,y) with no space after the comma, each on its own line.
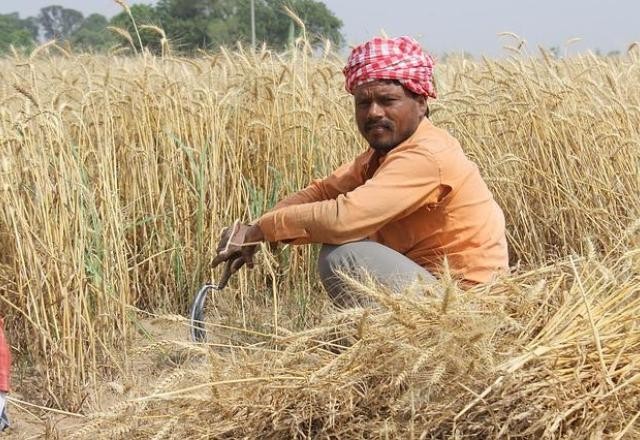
(341,181)
(238,242)
(408,180)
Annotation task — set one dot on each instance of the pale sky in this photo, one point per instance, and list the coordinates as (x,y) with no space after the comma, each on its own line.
(454,25)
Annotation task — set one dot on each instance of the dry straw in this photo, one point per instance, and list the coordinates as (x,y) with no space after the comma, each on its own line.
(524,358)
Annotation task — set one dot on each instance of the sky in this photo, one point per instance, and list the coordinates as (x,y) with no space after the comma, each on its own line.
(455,25)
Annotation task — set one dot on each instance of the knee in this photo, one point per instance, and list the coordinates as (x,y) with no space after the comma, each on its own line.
(333,258)
(327,261)
(330,263)
(333,262)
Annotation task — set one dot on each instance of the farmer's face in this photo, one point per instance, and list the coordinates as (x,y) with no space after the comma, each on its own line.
(387,113)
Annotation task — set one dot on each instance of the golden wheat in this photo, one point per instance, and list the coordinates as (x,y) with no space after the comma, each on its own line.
(118,173)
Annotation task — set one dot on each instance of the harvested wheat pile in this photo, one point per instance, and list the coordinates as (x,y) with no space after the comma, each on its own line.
(553,353)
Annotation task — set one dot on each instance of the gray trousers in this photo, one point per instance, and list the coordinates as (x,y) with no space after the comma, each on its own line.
(386,266)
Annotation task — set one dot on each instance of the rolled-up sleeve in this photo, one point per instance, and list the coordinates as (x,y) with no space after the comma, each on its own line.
(342,180)
(406,181)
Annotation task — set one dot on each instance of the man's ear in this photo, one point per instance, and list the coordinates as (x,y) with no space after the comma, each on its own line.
(422,105)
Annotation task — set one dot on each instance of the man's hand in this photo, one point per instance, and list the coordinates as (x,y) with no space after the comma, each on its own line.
(237,246)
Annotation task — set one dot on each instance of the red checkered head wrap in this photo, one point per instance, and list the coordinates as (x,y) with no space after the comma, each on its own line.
(400,59)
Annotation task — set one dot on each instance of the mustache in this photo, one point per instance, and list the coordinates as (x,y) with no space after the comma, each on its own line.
(375,124)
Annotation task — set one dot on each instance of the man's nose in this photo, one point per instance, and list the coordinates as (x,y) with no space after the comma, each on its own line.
(375,111)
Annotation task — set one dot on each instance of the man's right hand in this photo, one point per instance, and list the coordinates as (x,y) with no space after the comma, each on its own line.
(237,246)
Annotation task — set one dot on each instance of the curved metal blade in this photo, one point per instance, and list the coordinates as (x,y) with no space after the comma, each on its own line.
(197,327)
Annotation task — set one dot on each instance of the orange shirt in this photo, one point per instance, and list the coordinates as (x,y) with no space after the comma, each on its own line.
(424,199)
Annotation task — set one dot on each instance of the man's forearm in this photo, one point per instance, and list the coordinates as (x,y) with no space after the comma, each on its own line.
(311,193)
(254,234)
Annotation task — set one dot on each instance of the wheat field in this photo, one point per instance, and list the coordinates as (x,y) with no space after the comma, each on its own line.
(117,174)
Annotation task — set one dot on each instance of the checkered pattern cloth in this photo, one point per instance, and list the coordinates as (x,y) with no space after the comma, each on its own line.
(400,59)
(5,360)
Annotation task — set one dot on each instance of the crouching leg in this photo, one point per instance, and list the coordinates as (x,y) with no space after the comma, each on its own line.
(356,259)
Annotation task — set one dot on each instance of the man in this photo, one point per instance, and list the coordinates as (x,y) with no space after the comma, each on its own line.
(5,362)
(401,208)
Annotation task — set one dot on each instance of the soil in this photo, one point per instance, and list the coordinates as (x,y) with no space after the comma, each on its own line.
(29,421)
